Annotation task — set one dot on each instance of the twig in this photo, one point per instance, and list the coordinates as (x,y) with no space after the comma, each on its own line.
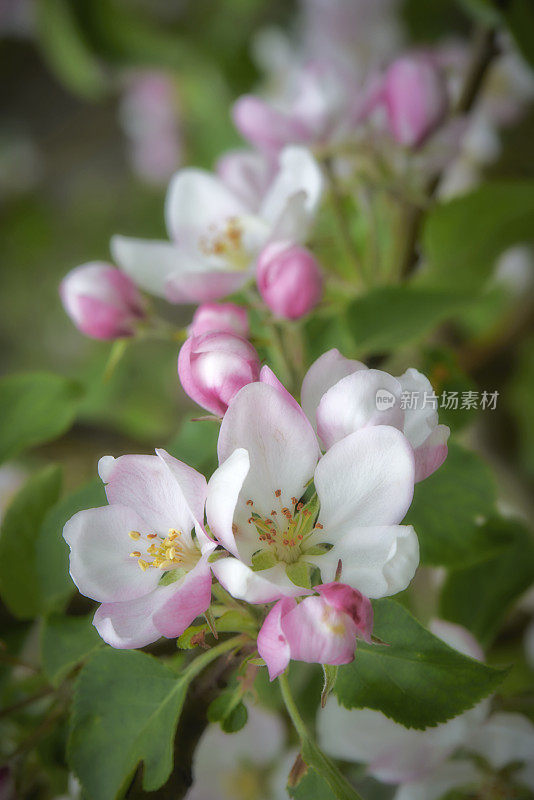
(5,712)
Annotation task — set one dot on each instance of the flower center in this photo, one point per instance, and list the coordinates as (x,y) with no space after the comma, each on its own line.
(227,243)
(286,530)
(166,553)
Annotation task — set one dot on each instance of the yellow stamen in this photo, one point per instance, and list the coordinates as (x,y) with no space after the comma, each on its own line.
(143,564)
(134,535)
(135,554)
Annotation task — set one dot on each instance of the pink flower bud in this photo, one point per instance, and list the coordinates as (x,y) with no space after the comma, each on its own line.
(102,301)
(223,317)
(289,279)
(213,367)
(321,629)
(415,95)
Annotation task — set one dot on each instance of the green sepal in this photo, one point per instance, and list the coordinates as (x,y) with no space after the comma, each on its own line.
(299,574)
(263,559)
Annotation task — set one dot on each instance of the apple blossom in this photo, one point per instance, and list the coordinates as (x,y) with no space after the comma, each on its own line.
(216,235)
(268,455)
(227,317)
(415,97)
(422,762)
(289,279)
(213,367)
(341,396)
(321,629)
(102,301)
(317,106)
(137,556)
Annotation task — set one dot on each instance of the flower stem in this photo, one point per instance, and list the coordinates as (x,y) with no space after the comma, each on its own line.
(312,755)
(291,707)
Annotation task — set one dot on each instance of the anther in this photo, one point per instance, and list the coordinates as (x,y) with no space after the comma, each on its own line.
(135,554)
(143,564)
(250,503)
(134,535)
(319,526)
(277,492)
(152,536)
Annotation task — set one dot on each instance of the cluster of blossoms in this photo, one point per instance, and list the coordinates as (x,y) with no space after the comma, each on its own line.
(304,511)
(303,517)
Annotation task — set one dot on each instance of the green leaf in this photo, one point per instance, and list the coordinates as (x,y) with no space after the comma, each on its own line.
(414,678)
(19,577)
(65,641)
(66,51)
(125,710)
(390,316)
(330,678)
(519,16)
(236,719)
(463,238)
(229,710)
(449,508)
(479,597)
(52,552)
(34,408)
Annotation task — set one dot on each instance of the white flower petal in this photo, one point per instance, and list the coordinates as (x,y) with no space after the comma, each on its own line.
(255,587)
(326,371)
(195,200)
(366,479)
(354,402)
(281,444)
(100,561)
(378,561)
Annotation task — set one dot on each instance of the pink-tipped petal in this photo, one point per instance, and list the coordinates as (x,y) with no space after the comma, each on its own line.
(281,444)
(147,485)
(213,367)
(432,453)
(366,397)
(227,317)
(326,371)
(190,597)
(273,646)
(100,561)
(319,634)
(352,602)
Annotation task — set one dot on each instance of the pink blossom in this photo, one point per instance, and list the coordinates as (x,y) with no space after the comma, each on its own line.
(341,396)
(136,556)
(217,233)
(226,317)
(289,279)
(321,629)
(268,455)
(102,301)
(318,105)
(415,97)
(213,367)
